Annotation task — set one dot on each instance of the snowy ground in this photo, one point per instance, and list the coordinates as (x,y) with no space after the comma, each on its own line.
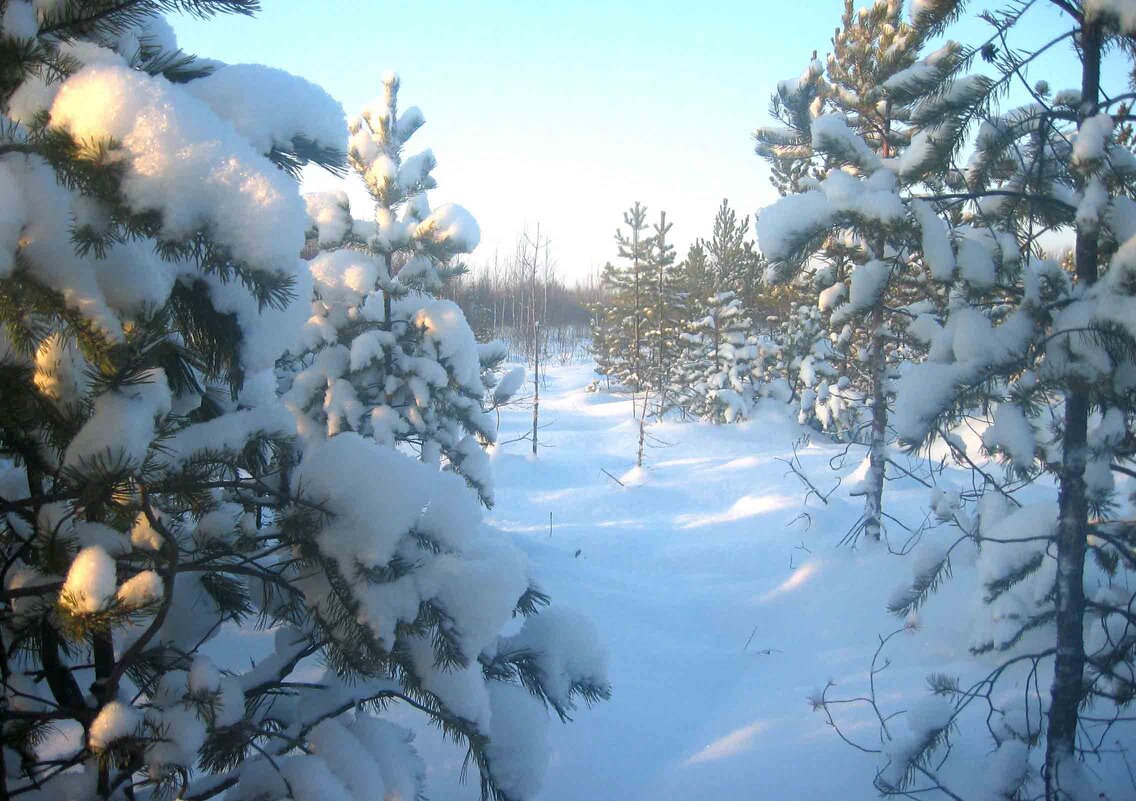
(698,555)
(722,608)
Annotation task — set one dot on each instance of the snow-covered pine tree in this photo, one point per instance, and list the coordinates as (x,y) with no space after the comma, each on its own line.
(731,255)
(603,327)
(385,356)
(800,331)
(787,147)
(716,375)
(153,489)
(621,320)
(628,295)
(719,341)
(851,228)
(662,316)
(1050,345)
(693,276)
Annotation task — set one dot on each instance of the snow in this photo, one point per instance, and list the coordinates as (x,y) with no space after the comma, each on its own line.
(781,222)
(229,707)
(1123,12)
(355,478)
(869,281)
(704,553)
(144,536)
(204,678)
(923,720)
(918,73)
(228,432)
(958,352)
(141,589)
(34,96)
(91,582)
(344,276)
(187,163)
(1006,768)
(1091,139)
(829,298)
(185,733)
(480,590)
(568,651)
(310,779)
(782,226)
(450,338)
(19,20)
(348,759)
(45,242)
(451,227)
(936,242)
(193,167)
(461,689)
(517,741)
(269,107)
(61,370)
(681,563)
(12,215)
(330,214)
(831,134)
(509,384)
(1092,205)
(811,72)
(401,767)
(114,721)
(122,426)
(1012,433)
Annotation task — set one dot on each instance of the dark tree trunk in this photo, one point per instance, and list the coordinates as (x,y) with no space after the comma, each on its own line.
(877,446)
(1073,516)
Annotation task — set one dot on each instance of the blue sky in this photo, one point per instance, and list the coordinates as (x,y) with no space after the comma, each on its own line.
(562,113)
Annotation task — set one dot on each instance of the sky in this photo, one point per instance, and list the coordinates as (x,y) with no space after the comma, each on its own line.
(557,113)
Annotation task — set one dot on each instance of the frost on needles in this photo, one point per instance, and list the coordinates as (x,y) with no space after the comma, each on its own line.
(187,442)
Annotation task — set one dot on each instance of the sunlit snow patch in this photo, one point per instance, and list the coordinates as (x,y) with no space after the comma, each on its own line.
(746,506)
(801,575)
(736,742)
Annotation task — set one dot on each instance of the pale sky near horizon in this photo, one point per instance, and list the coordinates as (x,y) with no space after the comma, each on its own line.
(558,113)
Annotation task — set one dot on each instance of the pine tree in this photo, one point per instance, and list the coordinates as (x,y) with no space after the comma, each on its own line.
(786,147)
(1043,348)
(863,247)
(630,292)
(1050,346)
(621,321)
(663,315)
(604,326)
(387,357)
(715,371)
(154,489)
(692,277)
(717,374)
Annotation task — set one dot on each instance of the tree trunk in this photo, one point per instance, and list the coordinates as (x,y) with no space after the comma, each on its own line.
(1073,511)
(635,365)
(877,444)
(102,649)
(659,320)
(642,435)
(388,325)
(536,386)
